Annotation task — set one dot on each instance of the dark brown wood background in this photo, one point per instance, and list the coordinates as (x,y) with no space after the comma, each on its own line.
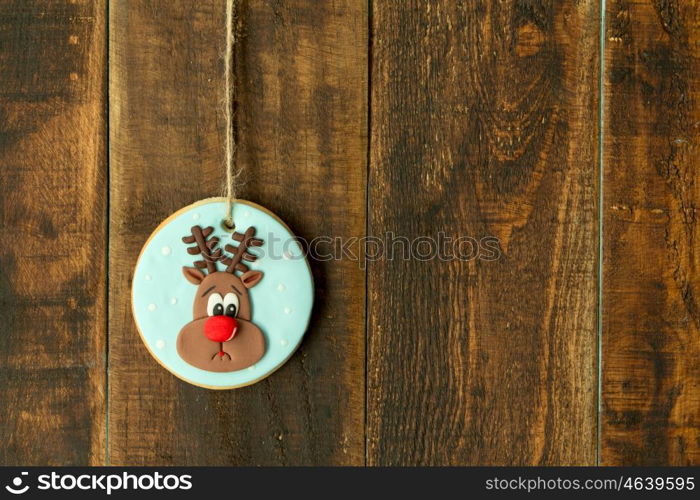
(578,345)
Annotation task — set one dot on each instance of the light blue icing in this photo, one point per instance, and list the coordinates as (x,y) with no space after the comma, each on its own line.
(162,298)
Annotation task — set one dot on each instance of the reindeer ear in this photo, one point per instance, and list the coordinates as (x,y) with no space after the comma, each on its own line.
(251,278)
(193,275)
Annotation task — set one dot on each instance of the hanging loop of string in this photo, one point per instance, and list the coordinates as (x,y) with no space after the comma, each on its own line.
(229,89)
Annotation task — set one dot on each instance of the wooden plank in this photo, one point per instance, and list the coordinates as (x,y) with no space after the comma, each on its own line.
(52,232)
(651,321)
(484,123)
(302,92)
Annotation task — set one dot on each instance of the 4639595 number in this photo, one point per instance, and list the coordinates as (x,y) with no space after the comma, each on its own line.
(659,483)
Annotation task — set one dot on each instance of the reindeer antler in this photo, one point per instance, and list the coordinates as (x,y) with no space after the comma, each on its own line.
(245,241)
(204,247)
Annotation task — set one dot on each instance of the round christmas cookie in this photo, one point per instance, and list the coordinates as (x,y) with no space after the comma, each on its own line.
(222,308)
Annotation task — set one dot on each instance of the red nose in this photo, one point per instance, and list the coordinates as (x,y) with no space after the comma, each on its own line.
(220,328)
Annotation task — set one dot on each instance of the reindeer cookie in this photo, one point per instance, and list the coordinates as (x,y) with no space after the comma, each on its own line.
(219,309)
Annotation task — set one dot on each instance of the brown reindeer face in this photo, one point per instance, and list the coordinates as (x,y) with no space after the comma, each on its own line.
(221,337)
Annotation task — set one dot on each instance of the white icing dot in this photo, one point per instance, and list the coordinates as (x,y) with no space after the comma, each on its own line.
(160,343)
(246,214)
(281,287)
(251,368)
(148,277)
(287,255)
(284,342)
(165,250)
(173,301)
(151,307)
(195,216)
(287,310)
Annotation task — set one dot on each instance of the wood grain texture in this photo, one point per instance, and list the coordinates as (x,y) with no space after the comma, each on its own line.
(301,72)
(484,122)
(52,232)
(651,354)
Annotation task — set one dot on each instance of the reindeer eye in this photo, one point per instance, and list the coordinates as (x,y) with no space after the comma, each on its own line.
(215,305)
(231,304)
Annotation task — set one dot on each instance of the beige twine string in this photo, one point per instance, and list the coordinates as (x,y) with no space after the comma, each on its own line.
(231,172)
